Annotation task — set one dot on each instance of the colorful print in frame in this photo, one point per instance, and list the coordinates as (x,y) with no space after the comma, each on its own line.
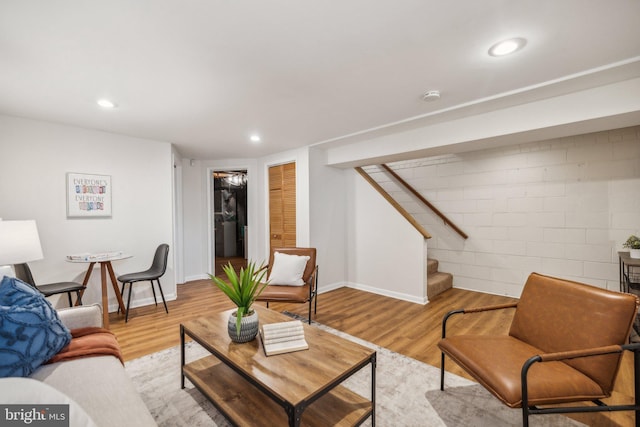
(88,195)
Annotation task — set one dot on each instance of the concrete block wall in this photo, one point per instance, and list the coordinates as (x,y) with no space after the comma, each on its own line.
(561,207)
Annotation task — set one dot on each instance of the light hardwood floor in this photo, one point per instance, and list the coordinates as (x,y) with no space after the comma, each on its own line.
(404,327)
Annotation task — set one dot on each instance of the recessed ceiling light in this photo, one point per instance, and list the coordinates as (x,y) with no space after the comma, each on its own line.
(105,103)
(506,47)
(255,138)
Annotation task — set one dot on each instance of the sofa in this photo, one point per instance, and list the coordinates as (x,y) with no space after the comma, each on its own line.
(97,388)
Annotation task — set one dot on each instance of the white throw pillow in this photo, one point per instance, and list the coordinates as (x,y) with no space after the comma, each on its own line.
(28,393)
(287,269)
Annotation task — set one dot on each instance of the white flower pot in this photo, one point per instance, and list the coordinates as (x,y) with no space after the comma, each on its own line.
(634,253)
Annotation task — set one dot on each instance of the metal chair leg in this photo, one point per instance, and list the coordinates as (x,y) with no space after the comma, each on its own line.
(121,295)
(442,371)
(70,299)
(154,293)
(162,295)
(126,316)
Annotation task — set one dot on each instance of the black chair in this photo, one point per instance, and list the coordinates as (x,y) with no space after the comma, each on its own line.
(23,272)
(157,270)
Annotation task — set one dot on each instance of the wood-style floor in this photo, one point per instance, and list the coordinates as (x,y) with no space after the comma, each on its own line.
(404,327)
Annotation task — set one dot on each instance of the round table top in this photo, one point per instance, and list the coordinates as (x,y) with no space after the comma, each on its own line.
(98,257)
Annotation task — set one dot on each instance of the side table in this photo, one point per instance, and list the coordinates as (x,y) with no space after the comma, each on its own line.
(629,272)
(105,260)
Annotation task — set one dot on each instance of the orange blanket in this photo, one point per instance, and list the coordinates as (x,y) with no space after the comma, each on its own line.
(87,342)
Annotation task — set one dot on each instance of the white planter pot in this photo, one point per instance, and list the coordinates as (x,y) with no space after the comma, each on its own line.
(634,253)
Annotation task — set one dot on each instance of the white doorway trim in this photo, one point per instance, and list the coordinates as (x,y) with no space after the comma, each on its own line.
(252,204)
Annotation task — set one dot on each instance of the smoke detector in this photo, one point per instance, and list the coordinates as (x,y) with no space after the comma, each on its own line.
(432,95)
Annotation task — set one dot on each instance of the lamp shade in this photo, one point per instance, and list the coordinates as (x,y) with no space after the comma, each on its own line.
(19,242)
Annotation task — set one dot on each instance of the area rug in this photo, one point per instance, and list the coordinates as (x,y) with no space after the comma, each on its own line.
(407,393)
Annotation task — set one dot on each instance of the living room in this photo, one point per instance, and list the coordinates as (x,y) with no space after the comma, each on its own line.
(543,177)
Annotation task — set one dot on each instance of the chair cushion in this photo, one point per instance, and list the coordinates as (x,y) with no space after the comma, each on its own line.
(285,293)
(557,315)
(288,269)
(496,362)
(30,330)
(60,287)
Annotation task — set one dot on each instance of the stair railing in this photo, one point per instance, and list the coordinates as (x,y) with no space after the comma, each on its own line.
(435,210)
(393,203)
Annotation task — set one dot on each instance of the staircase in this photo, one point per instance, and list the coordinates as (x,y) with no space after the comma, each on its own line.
(437,282)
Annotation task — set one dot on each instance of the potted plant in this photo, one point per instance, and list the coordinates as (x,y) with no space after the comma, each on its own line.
(633,243)
(242,289)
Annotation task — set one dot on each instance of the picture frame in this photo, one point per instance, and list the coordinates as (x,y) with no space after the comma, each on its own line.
(88,195)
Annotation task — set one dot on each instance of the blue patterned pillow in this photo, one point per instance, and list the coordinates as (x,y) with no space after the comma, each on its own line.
(30,330)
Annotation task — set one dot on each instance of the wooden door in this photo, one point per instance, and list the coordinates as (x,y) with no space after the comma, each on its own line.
(282,205)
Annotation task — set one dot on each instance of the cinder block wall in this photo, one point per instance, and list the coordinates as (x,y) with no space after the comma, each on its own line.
(561,207)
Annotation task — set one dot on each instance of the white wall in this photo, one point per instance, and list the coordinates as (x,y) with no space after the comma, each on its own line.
(35,159)
(194,199)
(385,254)
(327,219)
(197,192)
(561,207)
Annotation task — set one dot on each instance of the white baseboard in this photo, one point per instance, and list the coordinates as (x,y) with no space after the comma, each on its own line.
(388,293)
(196,277)
(330,287)
(373,290)
(113,307)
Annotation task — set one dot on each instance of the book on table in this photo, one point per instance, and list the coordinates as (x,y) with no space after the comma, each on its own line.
(283,337)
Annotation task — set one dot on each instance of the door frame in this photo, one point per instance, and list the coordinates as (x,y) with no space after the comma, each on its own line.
(252,205)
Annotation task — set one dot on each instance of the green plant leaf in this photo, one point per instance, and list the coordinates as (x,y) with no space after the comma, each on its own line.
(242,288)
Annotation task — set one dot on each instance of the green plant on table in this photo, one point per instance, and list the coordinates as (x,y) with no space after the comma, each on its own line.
(633,242)
(243,288)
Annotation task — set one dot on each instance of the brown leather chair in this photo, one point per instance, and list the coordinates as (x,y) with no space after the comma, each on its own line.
(565,345)
(275,292)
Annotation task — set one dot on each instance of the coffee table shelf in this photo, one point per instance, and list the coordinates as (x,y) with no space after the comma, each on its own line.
(299,388)
(240,401)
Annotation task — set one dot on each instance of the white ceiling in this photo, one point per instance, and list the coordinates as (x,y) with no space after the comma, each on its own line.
(205,74)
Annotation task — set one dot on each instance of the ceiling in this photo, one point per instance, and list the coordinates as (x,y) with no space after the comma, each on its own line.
(206,74)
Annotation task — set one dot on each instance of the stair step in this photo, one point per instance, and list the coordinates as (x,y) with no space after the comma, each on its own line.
(432,266)
(437,283)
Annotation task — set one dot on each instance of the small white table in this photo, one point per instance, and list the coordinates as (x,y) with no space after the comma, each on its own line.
(105,260)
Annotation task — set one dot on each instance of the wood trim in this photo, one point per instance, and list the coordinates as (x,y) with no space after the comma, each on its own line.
(435,210)
(393,203)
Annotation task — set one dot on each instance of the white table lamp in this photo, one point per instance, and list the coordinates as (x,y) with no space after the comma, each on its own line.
(19,243)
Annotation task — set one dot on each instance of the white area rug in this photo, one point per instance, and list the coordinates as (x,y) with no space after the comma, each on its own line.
(404,388)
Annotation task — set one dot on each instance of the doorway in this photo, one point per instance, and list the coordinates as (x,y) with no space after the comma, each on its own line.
(230,219)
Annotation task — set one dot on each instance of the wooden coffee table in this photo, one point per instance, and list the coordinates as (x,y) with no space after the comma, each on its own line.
(299,388)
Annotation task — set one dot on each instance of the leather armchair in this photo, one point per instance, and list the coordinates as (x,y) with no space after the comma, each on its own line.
(298,294)
(564,345)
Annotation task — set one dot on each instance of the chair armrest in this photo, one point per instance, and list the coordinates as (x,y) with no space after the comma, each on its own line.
(313,278)
(490,308)
(81,316)
(564,355)
(474,310)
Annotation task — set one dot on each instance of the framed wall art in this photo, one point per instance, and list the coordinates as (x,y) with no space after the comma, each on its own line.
(88,195)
